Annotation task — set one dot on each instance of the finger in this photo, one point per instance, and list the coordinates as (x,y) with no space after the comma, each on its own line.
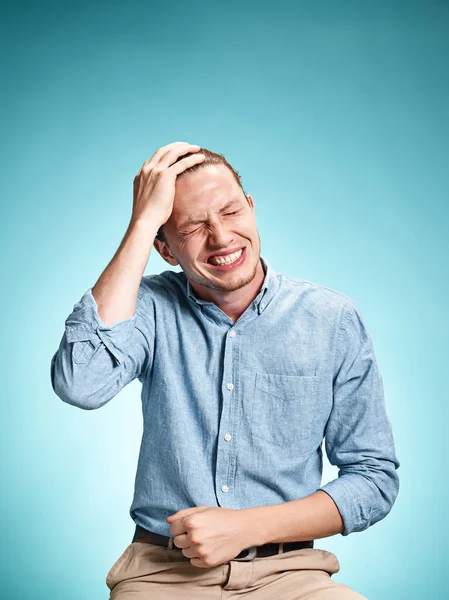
(197,562)
(163,157)
(190,552)
(161,151)
(182,541)
(175,153)
(185,163)
(157,156)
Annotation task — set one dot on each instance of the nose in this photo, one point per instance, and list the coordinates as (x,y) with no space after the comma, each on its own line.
(219,236)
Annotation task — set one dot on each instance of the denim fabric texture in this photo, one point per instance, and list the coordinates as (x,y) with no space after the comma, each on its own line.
(235,414)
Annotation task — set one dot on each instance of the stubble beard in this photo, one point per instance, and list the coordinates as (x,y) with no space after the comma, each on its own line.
(222,286)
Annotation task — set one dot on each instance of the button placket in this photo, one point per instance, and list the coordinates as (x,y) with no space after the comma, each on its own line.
(226,452)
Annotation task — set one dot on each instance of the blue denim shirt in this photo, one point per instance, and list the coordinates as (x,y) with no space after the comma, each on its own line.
(234,414)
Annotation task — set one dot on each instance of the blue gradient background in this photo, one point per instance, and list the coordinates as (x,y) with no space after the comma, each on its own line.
(336,116)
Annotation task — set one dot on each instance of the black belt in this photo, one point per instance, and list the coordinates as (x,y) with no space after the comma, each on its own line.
(149,537)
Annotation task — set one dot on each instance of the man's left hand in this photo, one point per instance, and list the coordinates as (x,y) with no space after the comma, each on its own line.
(211,535)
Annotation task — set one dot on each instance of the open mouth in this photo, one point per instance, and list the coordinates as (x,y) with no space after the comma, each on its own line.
(227,263)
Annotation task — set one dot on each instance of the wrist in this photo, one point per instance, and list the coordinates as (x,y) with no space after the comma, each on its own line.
(149,226)
(256,523)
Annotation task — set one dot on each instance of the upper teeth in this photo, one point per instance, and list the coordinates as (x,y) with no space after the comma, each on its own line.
(226,260)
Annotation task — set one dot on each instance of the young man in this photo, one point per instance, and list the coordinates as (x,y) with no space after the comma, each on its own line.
(244,372)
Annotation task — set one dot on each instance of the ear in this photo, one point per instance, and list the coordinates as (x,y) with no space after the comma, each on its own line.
(164,251)
(250,201)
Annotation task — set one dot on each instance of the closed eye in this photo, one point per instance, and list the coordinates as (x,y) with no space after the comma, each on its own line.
(225,214)
(189,232)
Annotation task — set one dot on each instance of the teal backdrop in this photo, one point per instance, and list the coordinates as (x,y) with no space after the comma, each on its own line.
(335,114)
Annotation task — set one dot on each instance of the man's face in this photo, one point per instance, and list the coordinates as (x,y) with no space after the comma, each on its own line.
(223,222)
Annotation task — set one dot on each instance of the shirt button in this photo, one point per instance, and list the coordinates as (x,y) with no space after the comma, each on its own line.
(262,306)
(230,386)
(232,334)
(227,437)
(224,488)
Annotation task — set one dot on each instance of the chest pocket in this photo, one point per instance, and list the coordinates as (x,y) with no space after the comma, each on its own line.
(284,410)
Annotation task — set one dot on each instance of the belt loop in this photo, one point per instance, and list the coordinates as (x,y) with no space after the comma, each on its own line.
(170,543)
(281,547)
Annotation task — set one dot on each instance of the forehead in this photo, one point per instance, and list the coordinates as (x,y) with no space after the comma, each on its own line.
(204,191)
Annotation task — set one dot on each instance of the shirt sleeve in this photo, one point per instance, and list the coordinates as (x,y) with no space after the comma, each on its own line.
(95,361)
(358,434)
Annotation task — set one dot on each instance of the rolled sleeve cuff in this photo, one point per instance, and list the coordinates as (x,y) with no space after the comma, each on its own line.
(352,503)
(84,323)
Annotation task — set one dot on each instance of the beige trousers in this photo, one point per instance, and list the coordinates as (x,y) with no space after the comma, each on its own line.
(151,572)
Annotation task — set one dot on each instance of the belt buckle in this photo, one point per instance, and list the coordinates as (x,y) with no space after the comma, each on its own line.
(252,553)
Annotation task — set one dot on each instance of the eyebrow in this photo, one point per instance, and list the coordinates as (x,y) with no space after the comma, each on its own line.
(196,221)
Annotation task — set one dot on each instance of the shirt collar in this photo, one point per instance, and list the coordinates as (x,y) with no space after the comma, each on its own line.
(269,288)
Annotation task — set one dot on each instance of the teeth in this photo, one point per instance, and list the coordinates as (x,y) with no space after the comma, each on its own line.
(226,260)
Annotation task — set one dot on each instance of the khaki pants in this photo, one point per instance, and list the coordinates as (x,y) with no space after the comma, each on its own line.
(151,572)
